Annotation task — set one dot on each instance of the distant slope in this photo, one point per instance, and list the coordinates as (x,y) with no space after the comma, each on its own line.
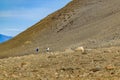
(4,38)
(88,23)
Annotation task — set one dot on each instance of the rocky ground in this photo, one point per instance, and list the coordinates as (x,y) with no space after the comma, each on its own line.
(93,64)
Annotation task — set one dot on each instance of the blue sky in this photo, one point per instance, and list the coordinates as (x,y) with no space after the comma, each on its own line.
(18,15)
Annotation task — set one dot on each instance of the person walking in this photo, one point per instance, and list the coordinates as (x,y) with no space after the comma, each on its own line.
(37,50)
(47,49)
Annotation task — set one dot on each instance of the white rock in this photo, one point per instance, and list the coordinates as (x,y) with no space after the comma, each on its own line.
(81,49)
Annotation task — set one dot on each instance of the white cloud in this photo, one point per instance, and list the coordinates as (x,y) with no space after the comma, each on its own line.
(31,14)
(11,31)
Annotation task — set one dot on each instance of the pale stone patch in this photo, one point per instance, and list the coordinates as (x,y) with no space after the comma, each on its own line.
(28,42)
(80,49)
(68,50)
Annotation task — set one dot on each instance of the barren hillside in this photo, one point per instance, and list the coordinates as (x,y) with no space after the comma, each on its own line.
(88,23)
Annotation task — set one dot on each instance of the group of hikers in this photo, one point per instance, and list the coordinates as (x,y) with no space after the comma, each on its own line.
(47,49)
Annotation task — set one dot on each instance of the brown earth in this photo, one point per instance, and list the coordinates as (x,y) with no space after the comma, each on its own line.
(93,64)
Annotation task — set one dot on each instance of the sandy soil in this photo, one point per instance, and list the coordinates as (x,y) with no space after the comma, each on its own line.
(93,64)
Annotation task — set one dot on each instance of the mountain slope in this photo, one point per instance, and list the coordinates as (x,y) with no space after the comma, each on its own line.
(88,23)
(4,38)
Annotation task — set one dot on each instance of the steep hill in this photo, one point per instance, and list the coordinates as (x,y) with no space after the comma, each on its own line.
(88,23)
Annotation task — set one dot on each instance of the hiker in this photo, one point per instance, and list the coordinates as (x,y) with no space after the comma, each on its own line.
(47,49)
(37,49)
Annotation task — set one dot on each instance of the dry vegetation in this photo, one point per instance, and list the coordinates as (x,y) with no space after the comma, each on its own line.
(94,64)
